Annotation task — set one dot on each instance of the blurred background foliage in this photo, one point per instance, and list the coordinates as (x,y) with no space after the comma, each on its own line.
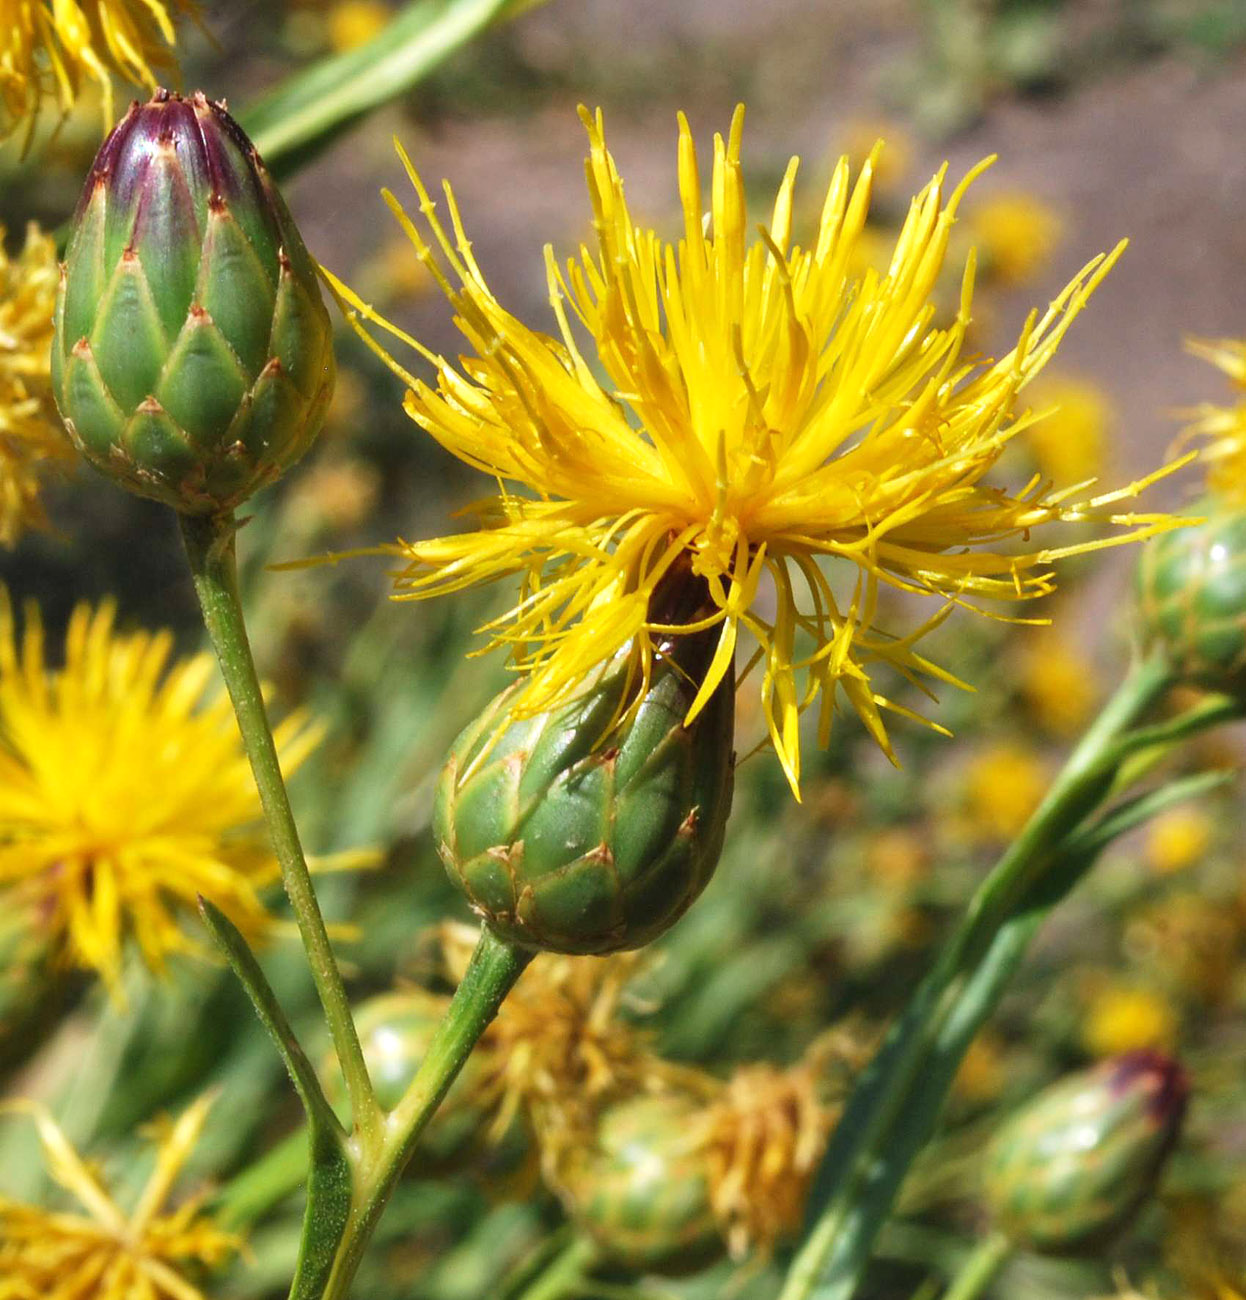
(1111,117)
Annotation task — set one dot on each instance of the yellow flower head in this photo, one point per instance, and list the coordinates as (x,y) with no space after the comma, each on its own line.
(50,48)
(797,434)
(124,793)
(1016,234)
(353,23)
(1223,426)
(765,1134)
(1124,1017)
(98,1249)
(1057,680)
(30,430)
(1004,783)
(1069,443)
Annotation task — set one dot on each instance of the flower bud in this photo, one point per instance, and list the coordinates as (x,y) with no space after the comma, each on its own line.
(192,358)
(1191,591)
(577,832)
(1074,1166)
(642,1190)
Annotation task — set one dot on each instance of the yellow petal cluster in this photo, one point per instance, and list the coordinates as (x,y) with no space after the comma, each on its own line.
(124,793)
(50,48)
(31,438)
(1224,427)
(99,1249)
(798,430)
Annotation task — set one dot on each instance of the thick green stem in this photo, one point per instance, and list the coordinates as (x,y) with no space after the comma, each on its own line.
(979,1269)
(494,968)
(900,1094)
(210,548)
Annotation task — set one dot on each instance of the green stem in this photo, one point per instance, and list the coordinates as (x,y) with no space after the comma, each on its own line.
(311,107)
(494,968)
(565,1273)
(979,1269)
(210,548)
(866,1162)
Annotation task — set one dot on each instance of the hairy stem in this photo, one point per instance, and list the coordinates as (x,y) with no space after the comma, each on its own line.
(210,548)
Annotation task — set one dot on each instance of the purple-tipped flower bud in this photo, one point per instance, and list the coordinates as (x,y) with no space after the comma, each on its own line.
(1075,1165)
(193,356)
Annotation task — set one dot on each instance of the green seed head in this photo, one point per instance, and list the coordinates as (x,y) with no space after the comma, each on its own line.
(192,359)
(643,1191)
(572,832)
(1192,599)
(1074,1166)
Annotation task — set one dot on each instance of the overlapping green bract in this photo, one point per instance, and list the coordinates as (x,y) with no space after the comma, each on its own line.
(193,355)
(643,1191)
(573,833)
(1071,1168)
(1192,596)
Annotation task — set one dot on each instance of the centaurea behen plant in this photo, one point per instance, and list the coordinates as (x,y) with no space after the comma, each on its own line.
(762,441)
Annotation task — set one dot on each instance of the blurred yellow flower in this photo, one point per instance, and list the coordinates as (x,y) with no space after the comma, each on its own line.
(890,165)
(1070,441)
(50,48)
(1223,426)
(984,1071)
(1178,839)
(355,22)
(1003,785)
(31,438)
(797,437)
(100,1250)
(1057,680)
(124,793)
(1121,1017)
(1015,235)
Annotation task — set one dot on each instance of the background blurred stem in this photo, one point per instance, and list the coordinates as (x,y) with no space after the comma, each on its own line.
(308,110)
(895,1105)
(490,976)
(979,1268)
(210,548)
(278,1173)
(564,1274)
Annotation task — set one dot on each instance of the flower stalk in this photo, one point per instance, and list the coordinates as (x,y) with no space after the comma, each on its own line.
(211,551)
(895,1106)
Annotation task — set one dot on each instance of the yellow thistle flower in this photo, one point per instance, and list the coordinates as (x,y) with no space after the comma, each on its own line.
(1177,840)
(754,411)
(1122,1017)
(1016,234)
(1069,443)
(1223,426)
(31,438)
(124,793)
(1003,786)
(764,1137)
(50,48)
(100,1250)
(1057,680)
(353,23)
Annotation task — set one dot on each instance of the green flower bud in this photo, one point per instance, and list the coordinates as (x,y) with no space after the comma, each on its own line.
(1073,1167)
(192,358)
(577,833)
(643,1191)
(1192,597)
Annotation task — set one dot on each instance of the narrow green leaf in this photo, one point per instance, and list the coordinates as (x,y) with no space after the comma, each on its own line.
(330,1179)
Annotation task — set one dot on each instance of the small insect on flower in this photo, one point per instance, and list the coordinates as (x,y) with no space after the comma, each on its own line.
(49,49)
(800,434)
(124,793)
(100,1250)
(30,436)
